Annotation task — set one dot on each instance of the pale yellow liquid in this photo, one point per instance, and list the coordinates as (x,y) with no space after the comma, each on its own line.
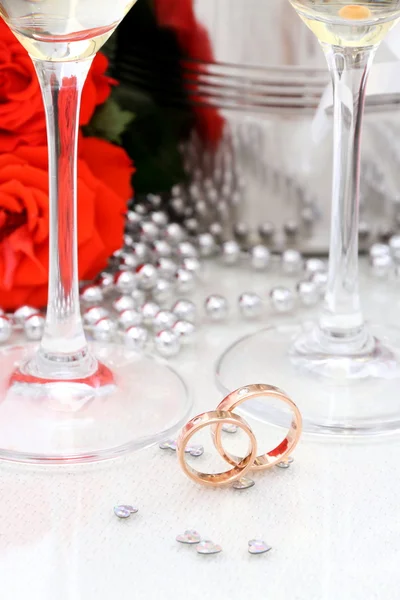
(59,30)
(324,19)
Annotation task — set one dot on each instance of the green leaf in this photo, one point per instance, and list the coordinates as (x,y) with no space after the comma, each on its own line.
(109,122)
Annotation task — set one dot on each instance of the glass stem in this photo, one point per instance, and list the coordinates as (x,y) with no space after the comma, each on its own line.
(341,321)
(63,349)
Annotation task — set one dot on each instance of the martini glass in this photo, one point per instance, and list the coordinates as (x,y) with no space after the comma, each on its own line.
(343,373)
(65,400)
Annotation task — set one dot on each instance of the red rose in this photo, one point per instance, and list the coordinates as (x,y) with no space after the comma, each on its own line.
(22,119)
(195,43)
(24,216)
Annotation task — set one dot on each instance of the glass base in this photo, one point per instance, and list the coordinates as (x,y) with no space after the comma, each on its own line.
(129,402)
(337,395)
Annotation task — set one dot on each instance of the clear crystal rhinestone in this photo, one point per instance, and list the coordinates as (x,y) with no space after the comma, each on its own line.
(168,445)
(285,464)
(229,428)
(244,483)
(208,547)
(190,536)
(258,547)
(194,450)
(123,511)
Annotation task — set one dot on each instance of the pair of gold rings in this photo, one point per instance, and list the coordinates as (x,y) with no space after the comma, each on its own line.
(224,414)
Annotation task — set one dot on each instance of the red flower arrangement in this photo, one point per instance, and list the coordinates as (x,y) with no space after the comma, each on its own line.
(104,175)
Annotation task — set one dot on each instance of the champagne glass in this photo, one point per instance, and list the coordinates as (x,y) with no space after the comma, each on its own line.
(343,373)
(66,400)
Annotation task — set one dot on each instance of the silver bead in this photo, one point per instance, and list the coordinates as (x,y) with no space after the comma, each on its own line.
(91,294)
(313,265)
(161,249)
(241,232)
(125,282)
(141,252)
(291,228)
(141,209)
(154,200)
(176,190)
(266,231)
(129,240)
(192,225)
(104,330)
(231,252)
(146,276)
(135,338)
(379,250)
(187,250)
(320,279)
(207,245)
(122,303)
(94,314)
(105,280)
(185,310)
(133,220)
(381,265)
(174,234)
(163,291)
(23,312)
(149,231)
(201,208)
(166,268)
(5,328)
(159,218)
(216,231)
(193,265)
(307,215)
(129,318)
(308,292)
(364,230)
(184,281)
(164,319)
(292,261)
(167,343)
(178,206)
(185,329)
(127,261)
(394,245)
(34,327)
(149,311)
(138,297)
(260,257)
(216,307)
(250,305)
(281,299)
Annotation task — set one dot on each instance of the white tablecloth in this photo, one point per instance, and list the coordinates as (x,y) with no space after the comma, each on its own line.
(332,518)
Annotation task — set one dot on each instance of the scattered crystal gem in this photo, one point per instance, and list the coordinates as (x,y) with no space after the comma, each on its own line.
(258,547)
(124,511)
(229,428)
(194,450)
(190,536)
(208,547)
(285,464)
(168,445)
(244,483)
